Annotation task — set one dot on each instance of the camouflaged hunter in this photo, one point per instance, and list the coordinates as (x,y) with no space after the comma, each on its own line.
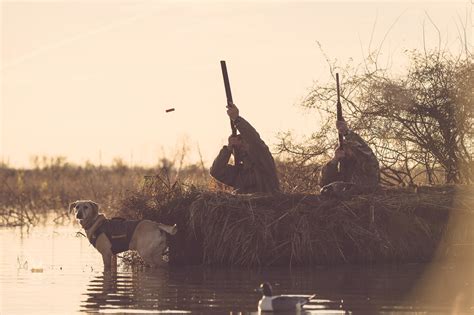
(256,171)
(360,169)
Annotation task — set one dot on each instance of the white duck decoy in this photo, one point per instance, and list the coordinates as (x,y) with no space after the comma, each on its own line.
(271,303)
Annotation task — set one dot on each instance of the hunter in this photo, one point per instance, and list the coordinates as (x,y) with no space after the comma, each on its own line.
(354,169)
(254,171)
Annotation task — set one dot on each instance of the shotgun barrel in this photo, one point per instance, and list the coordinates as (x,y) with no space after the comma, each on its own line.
(339,109)
(228,93)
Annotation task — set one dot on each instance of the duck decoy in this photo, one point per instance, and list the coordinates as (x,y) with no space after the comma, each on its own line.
(276,303)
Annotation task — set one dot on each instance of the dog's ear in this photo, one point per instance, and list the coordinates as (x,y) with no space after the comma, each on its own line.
(72,205)
(95,206)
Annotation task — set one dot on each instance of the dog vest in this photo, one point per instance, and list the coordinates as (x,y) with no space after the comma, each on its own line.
(119,232)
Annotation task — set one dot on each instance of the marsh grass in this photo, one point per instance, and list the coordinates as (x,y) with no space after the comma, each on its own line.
(217,227)
(221,228)
(27,195)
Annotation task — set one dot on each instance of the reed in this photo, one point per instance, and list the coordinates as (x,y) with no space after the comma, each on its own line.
(221,228)
(28,195)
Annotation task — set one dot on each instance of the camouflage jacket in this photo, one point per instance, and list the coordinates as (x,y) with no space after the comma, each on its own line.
(362,170)
(257,173)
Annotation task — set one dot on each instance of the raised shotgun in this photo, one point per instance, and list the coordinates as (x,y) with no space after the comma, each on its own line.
(228,93)
(339,110)
(339,118)
(230,102)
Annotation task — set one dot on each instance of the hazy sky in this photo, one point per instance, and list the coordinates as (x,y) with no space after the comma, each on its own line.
(90,80)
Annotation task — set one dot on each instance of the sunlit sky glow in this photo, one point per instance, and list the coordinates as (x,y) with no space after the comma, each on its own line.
(91,80)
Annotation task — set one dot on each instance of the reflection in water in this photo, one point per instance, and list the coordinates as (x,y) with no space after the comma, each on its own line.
(71,280)
(347,290)
(177,290)
(109,290)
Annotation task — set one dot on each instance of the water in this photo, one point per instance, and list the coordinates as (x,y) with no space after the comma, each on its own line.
(49,270)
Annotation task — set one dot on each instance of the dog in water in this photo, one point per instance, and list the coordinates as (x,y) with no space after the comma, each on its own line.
(116,235)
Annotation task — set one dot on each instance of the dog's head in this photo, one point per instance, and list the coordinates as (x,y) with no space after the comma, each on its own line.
(84,210)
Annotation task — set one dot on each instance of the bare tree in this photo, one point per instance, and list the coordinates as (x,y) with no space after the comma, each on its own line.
(419,124)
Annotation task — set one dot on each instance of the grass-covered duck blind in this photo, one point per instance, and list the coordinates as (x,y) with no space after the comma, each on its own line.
(393,225)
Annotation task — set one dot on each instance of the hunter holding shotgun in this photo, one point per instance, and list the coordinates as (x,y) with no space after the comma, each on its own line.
(354,169)
(254,169)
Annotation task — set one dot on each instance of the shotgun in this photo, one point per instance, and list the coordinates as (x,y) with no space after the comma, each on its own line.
(339,109)
(230,102)
(228,93)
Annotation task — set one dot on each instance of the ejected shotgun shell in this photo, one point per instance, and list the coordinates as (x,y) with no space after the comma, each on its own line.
(170,110)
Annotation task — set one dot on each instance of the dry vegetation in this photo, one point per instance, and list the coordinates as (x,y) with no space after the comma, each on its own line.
(27,194)
(420,127)
(395,225)
(419,124)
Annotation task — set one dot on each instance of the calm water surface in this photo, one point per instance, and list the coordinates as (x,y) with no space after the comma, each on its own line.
(49,270)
